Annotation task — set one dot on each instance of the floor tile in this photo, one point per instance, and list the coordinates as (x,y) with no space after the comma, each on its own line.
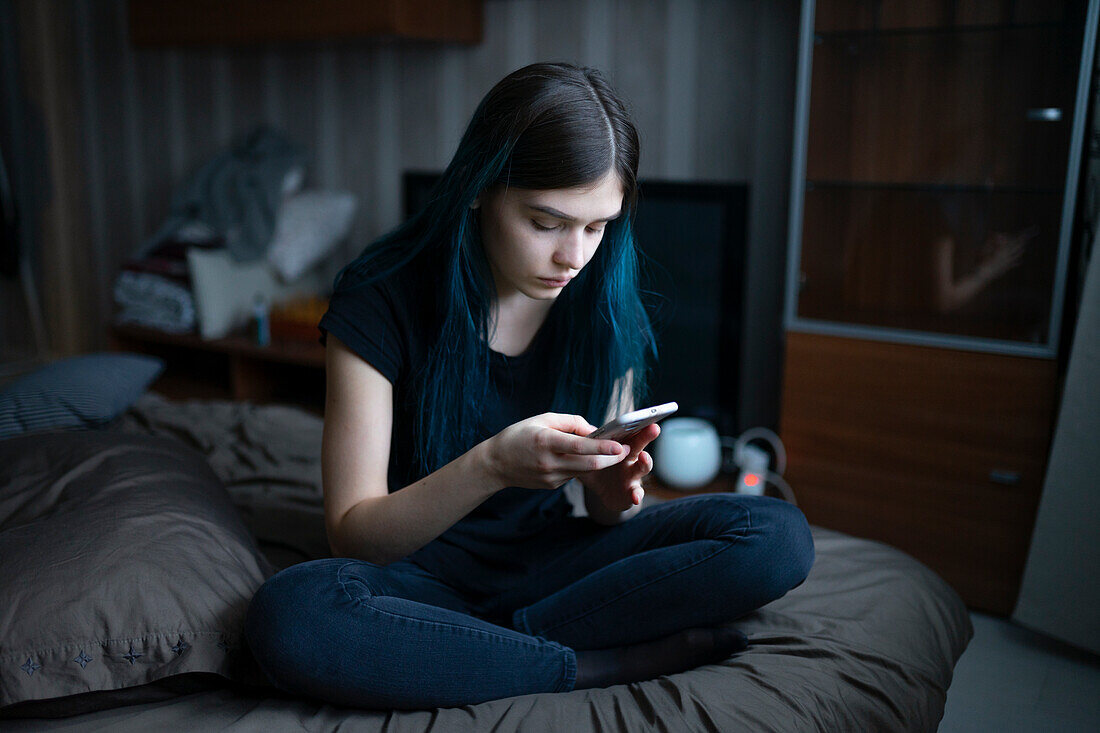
(1013,679)
(1073,684)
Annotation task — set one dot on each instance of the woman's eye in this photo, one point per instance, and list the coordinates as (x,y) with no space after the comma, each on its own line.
(543,228)
(591,230)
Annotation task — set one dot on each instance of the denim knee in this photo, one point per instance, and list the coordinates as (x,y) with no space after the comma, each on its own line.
(280,621)
(791,544)
(783,547)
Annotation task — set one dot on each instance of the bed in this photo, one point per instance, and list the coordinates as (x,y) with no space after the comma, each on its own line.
(867,642)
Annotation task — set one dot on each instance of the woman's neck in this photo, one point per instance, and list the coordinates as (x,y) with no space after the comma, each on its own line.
(515,321)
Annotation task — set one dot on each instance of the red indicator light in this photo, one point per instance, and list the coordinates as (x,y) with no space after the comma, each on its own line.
(751,479)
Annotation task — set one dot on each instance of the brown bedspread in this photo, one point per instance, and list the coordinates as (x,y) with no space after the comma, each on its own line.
(867,643)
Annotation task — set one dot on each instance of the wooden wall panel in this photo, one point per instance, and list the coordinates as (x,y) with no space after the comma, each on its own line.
(917,447)
(849,15)
(939,109)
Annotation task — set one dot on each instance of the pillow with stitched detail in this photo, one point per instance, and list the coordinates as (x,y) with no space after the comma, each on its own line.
(78,392)
(125,573)
(309,226)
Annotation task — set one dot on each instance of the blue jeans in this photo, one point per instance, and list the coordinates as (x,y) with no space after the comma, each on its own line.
(397,636)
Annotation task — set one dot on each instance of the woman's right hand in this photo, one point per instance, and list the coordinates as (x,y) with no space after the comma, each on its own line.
(545,451)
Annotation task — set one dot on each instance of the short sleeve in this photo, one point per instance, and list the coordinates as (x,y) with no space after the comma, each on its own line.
(371,321)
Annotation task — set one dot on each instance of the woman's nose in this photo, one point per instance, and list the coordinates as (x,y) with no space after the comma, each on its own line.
(570,251)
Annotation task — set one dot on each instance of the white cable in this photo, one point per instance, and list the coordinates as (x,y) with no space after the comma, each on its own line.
(771,438)
(784,488)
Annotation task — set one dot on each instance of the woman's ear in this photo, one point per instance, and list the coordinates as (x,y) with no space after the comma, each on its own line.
(476,204)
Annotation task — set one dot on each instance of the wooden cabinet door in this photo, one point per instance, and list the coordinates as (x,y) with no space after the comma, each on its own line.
(938,452)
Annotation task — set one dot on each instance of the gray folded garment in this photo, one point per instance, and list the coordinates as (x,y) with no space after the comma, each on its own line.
(154,301)
(237,194)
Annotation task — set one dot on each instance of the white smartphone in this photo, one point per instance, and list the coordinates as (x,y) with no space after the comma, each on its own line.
(627,425)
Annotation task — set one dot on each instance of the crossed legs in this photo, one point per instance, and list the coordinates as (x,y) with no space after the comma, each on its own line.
(597,606)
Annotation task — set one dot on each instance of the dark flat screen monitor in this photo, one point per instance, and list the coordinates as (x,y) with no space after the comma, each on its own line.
(691,237)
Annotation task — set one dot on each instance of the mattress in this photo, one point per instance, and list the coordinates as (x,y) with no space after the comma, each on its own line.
(867,642)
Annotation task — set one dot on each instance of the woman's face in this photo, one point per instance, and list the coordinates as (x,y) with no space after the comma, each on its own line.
(537,241)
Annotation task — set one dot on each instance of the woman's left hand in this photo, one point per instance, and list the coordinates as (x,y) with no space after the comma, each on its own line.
(619,487)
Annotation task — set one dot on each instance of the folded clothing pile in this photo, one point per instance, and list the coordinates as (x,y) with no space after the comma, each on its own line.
(155,291)
(241,235)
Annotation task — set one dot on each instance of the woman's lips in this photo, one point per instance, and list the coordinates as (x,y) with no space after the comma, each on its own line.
(556,283)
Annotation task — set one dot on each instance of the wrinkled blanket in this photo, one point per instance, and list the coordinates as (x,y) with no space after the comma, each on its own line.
(867,642)
(267,456)
(259,451)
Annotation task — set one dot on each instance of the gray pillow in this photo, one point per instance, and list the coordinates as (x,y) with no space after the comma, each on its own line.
(123,563)
(78,392)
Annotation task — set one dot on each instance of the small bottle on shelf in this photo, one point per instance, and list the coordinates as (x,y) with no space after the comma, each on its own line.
(261,321)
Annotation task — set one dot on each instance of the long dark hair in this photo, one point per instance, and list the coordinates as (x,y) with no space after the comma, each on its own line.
(543,127)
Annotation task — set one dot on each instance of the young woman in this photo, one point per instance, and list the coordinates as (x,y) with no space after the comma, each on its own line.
(469,353)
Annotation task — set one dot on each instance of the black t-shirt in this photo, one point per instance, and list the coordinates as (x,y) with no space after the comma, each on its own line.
(389,324)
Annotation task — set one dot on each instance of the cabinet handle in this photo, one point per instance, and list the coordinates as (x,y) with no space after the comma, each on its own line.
(1005,478)
(1044,114)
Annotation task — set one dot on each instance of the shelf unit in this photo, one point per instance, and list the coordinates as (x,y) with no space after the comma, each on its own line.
(232,368)
(937,150)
